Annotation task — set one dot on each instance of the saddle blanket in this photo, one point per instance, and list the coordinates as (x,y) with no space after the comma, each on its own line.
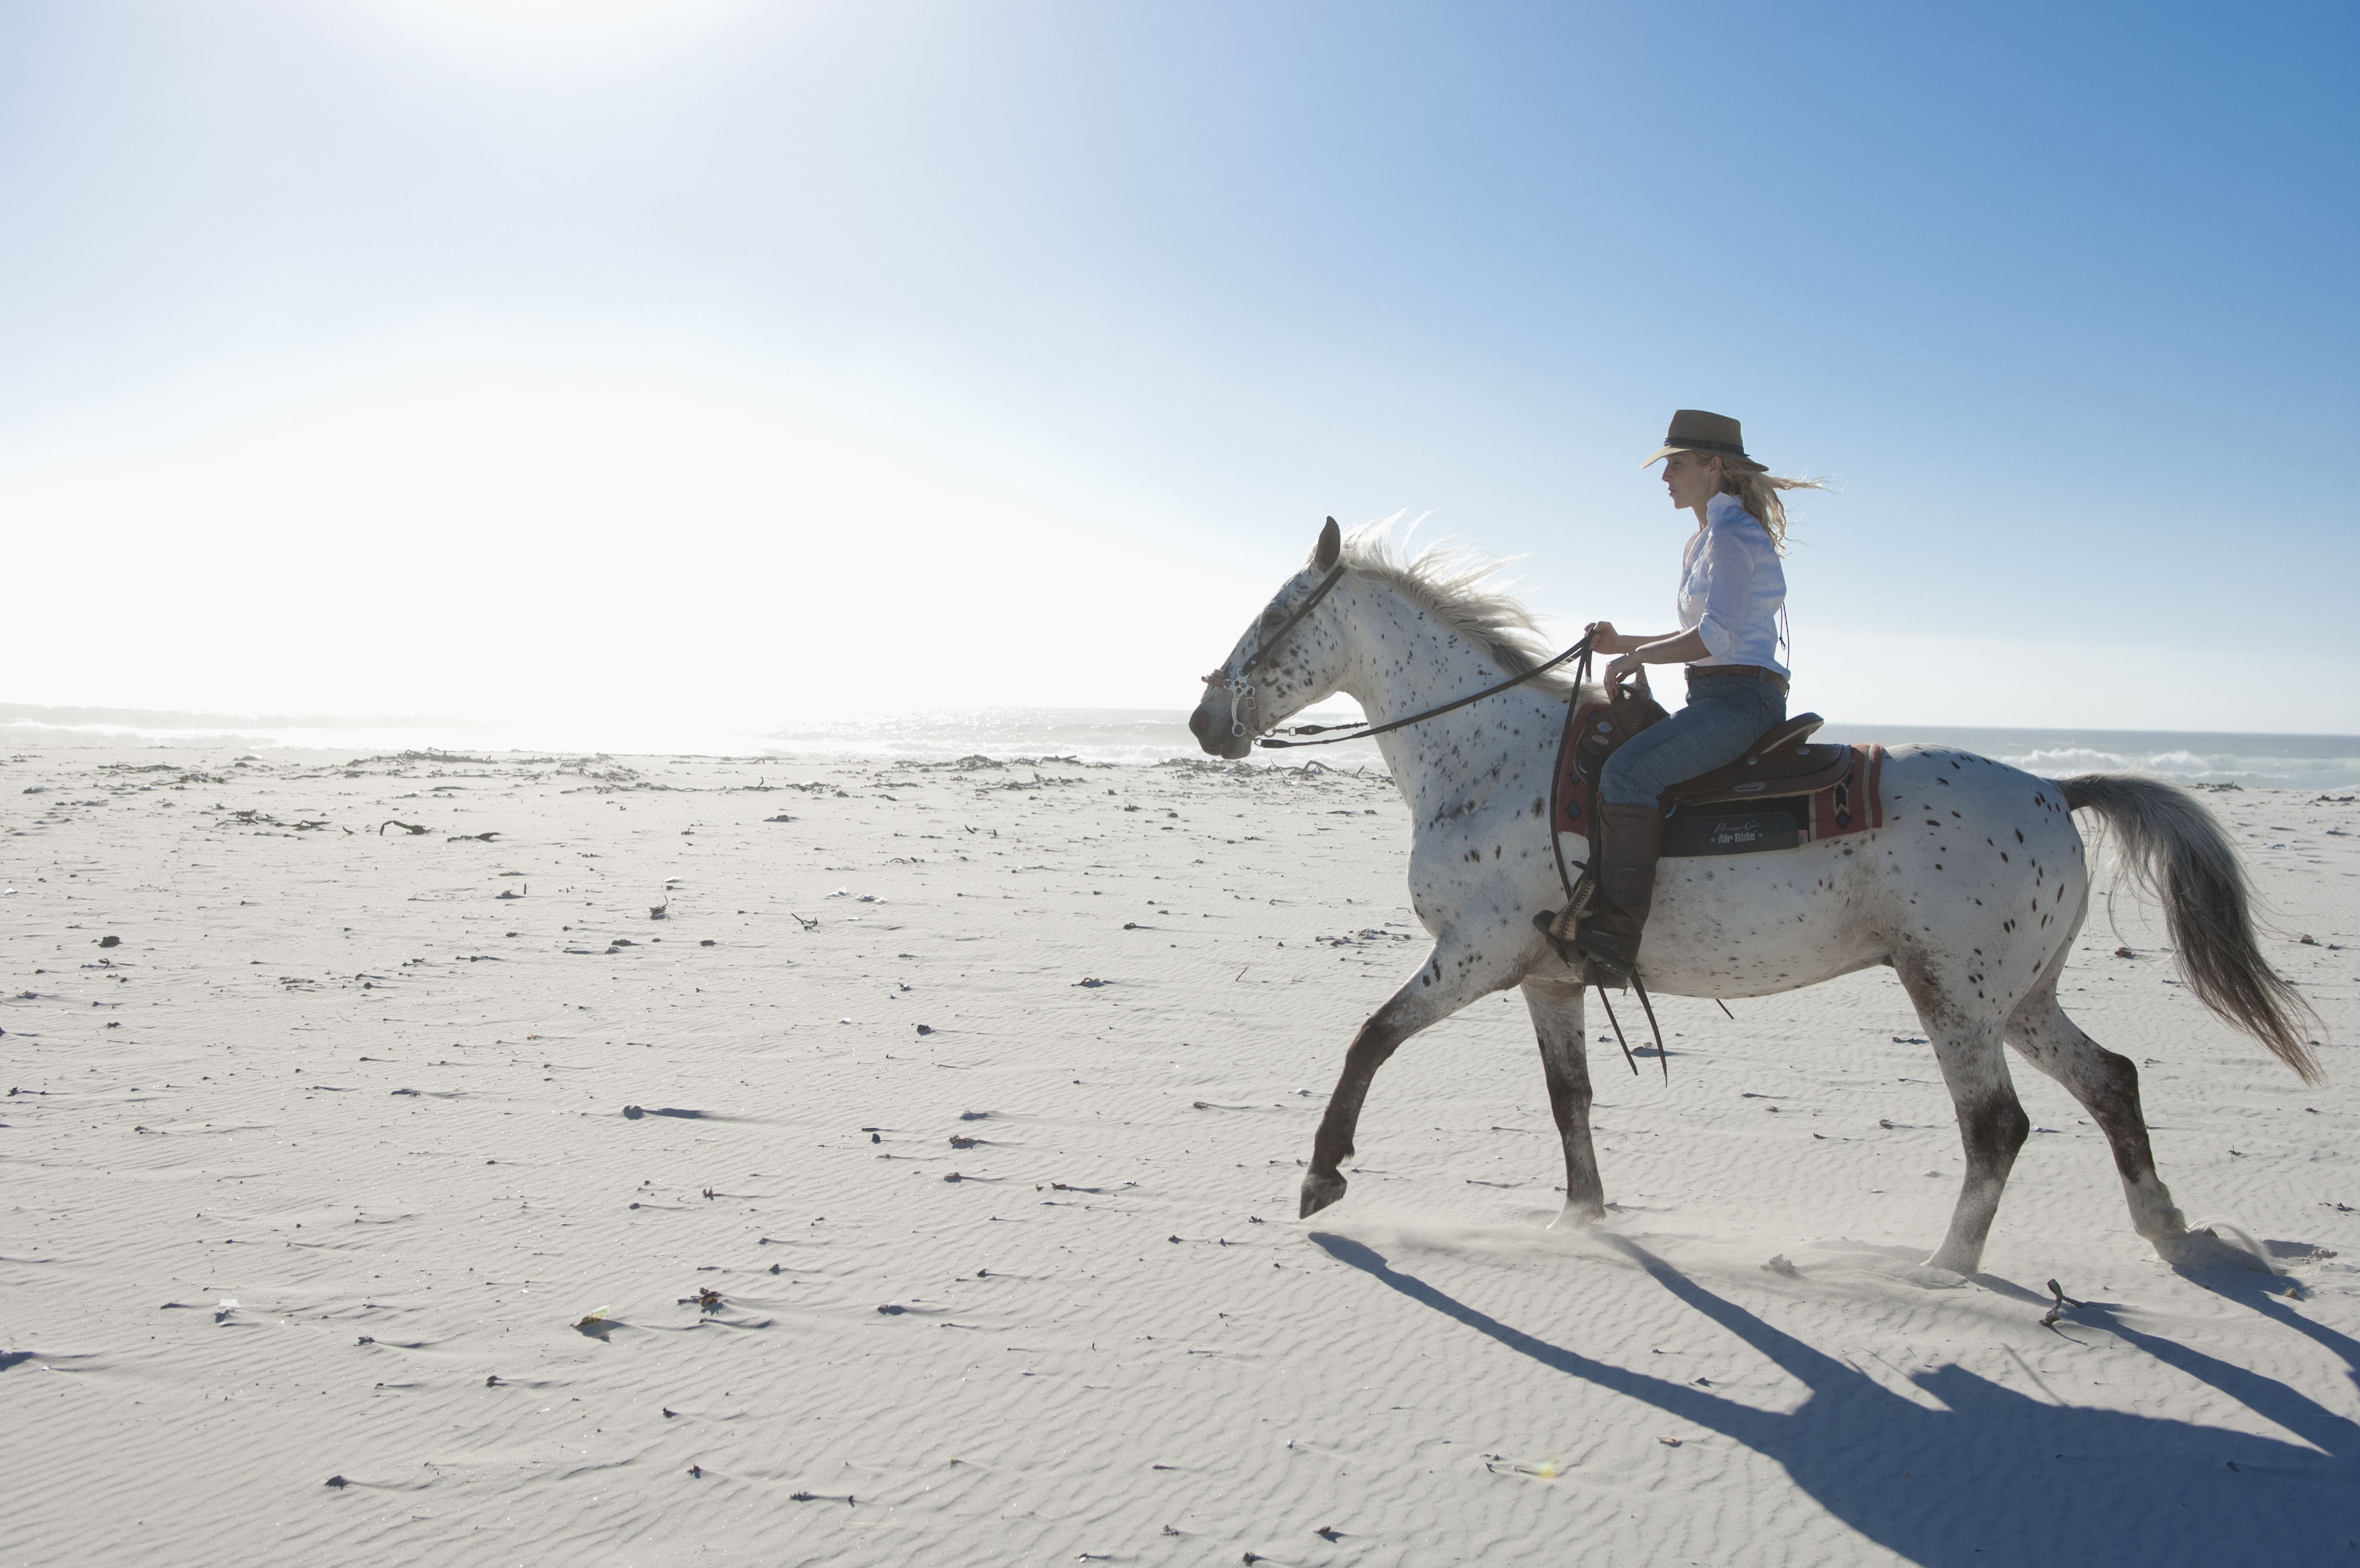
(1853,803)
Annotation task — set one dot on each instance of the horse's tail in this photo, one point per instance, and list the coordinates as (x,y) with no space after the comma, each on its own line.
(2172,847)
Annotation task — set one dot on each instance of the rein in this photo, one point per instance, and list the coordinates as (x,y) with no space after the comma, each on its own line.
(1241,687)
(1364,730)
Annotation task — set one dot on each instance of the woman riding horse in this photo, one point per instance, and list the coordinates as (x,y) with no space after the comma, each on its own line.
(1733,610)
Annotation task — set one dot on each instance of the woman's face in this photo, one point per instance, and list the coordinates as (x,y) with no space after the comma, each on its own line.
(1691,478)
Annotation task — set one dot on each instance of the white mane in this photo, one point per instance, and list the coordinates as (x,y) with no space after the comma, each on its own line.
(1459,587)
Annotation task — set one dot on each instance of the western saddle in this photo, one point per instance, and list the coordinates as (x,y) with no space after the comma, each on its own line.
(1781,763)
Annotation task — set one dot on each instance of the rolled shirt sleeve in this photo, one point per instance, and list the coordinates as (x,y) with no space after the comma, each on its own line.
(1728,591)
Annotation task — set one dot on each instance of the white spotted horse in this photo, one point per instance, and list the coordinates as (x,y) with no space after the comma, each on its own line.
(1966,875)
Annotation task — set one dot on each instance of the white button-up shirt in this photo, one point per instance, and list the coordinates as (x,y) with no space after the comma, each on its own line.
(1732,591)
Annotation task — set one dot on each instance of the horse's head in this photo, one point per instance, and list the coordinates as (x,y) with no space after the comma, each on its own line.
(1285,662)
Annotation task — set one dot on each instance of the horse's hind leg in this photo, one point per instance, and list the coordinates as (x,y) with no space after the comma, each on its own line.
(1556,1007)
(2107,1086)
(1992,1124)
(1448,980)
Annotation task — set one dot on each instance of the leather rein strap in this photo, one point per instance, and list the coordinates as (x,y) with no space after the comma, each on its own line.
(1364,730)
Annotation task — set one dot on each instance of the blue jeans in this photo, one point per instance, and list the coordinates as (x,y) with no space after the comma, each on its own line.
(1725,715)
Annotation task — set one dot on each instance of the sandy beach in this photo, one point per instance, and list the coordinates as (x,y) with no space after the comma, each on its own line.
(646,1160)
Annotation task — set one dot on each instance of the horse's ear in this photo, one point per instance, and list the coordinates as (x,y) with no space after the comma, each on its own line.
(1331,545)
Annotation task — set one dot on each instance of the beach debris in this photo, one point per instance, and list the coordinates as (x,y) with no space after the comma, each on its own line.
(846,1498)
(338,1481)
(1328,1533)
(410,828)
(696,1471)
(224,1310)
(961,1141)
(518,892)
(781,817)
(974,1116)
(708,942)
(668,1412)
(493,1381)
(117,941)
(1782,1264)
(1669,1442)
(807,925)
(660,911)
(925,1028)
(1091,982)
(706,1300)
(2048,1318)
(463,838)
(891,1310)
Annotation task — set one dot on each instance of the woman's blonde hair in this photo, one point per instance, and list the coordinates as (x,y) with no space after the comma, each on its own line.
(1757,491)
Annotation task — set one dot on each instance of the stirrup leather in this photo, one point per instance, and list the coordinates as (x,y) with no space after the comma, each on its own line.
(1560,926)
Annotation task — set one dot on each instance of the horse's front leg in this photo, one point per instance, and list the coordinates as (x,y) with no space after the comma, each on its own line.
(1555,1003)
(1452,977)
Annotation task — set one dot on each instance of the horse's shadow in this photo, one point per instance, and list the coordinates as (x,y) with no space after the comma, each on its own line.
(1998,1475)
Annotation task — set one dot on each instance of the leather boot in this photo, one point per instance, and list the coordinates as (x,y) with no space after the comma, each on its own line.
(1629,838)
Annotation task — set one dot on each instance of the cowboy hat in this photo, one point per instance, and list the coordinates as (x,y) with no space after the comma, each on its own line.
(1715,435)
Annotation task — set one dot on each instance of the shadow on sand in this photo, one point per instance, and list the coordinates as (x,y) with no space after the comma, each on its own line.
(1998,1475)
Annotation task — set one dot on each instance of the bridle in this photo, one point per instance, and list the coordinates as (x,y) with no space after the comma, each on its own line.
(1241,686)
(1243,719)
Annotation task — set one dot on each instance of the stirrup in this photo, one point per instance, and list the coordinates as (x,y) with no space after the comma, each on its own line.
(1603,966)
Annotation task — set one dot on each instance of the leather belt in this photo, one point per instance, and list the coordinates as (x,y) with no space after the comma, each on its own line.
(1749,672)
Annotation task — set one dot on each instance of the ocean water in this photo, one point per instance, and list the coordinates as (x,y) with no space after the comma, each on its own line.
(2329,763)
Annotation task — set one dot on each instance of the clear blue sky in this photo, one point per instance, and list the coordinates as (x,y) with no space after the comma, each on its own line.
(504,356)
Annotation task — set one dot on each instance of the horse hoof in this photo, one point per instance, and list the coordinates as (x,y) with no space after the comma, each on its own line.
(1318,1192)
(1933,1276)
(1577,1216)
(2205,1248)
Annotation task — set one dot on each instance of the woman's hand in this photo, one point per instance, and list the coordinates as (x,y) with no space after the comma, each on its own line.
(1603,639)
(1622,669)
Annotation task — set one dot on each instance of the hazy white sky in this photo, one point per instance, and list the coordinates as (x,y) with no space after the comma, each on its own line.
(723,360)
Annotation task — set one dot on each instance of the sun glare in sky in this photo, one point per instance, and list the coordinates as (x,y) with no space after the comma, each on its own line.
(510,358)
(522,530)
(579,41)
